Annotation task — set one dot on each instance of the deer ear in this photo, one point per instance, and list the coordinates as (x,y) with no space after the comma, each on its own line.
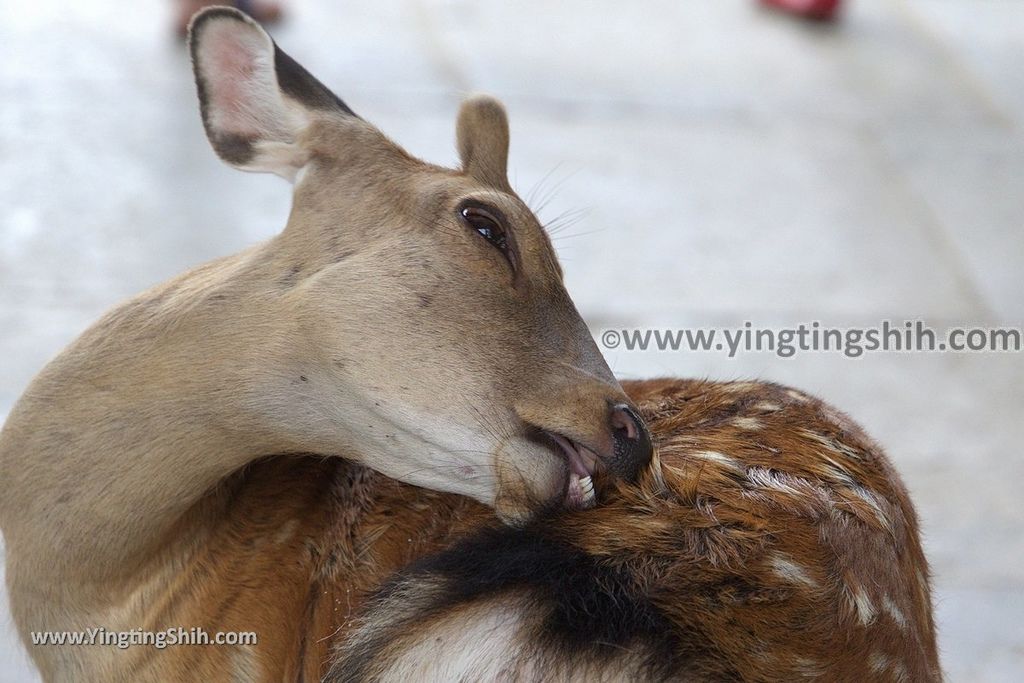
(482,137)
(255,100)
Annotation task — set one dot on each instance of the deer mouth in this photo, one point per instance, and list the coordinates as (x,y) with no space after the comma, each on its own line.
(582,463)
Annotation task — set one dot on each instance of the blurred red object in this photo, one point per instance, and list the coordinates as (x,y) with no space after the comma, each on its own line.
(821,10)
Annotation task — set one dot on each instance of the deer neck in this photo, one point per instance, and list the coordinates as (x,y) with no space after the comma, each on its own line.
(145,413)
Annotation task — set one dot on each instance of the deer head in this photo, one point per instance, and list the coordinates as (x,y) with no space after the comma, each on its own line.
(416,316)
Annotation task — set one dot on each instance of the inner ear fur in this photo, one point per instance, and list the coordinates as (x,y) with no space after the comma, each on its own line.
(255,100)
(482,137)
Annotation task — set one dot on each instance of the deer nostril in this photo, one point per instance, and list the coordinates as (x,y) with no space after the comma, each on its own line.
(633,447)
(624,422)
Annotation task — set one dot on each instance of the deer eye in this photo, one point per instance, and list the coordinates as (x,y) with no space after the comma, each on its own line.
(488,227)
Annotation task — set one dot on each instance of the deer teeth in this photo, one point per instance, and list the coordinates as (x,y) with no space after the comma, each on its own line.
(587,487)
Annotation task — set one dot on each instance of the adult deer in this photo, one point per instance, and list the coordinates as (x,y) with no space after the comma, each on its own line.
(409,317)
(167,469)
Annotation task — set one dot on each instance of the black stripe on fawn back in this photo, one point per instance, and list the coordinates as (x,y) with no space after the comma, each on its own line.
(591,609)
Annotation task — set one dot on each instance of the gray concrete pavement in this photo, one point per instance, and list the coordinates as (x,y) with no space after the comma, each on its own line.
(728,165)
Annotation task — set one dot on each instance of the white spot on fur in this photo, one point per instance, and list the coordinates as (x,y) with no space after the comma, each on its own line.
(772,480)
(878,662)
(767,406)
(875,504)
(791,572)
(838,473)
(893,610)
(286,532)
(718,458)
(831,444)
(740,387)
(808,668)
(863,606)
(748,423)
(797,396)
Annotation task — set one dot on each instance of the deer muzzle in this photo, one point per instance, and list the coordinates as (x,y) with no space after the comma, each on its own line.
(622,446)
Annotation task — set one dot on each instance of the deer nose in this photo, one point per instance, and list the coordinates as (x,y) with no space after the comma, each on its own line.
(632,448)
